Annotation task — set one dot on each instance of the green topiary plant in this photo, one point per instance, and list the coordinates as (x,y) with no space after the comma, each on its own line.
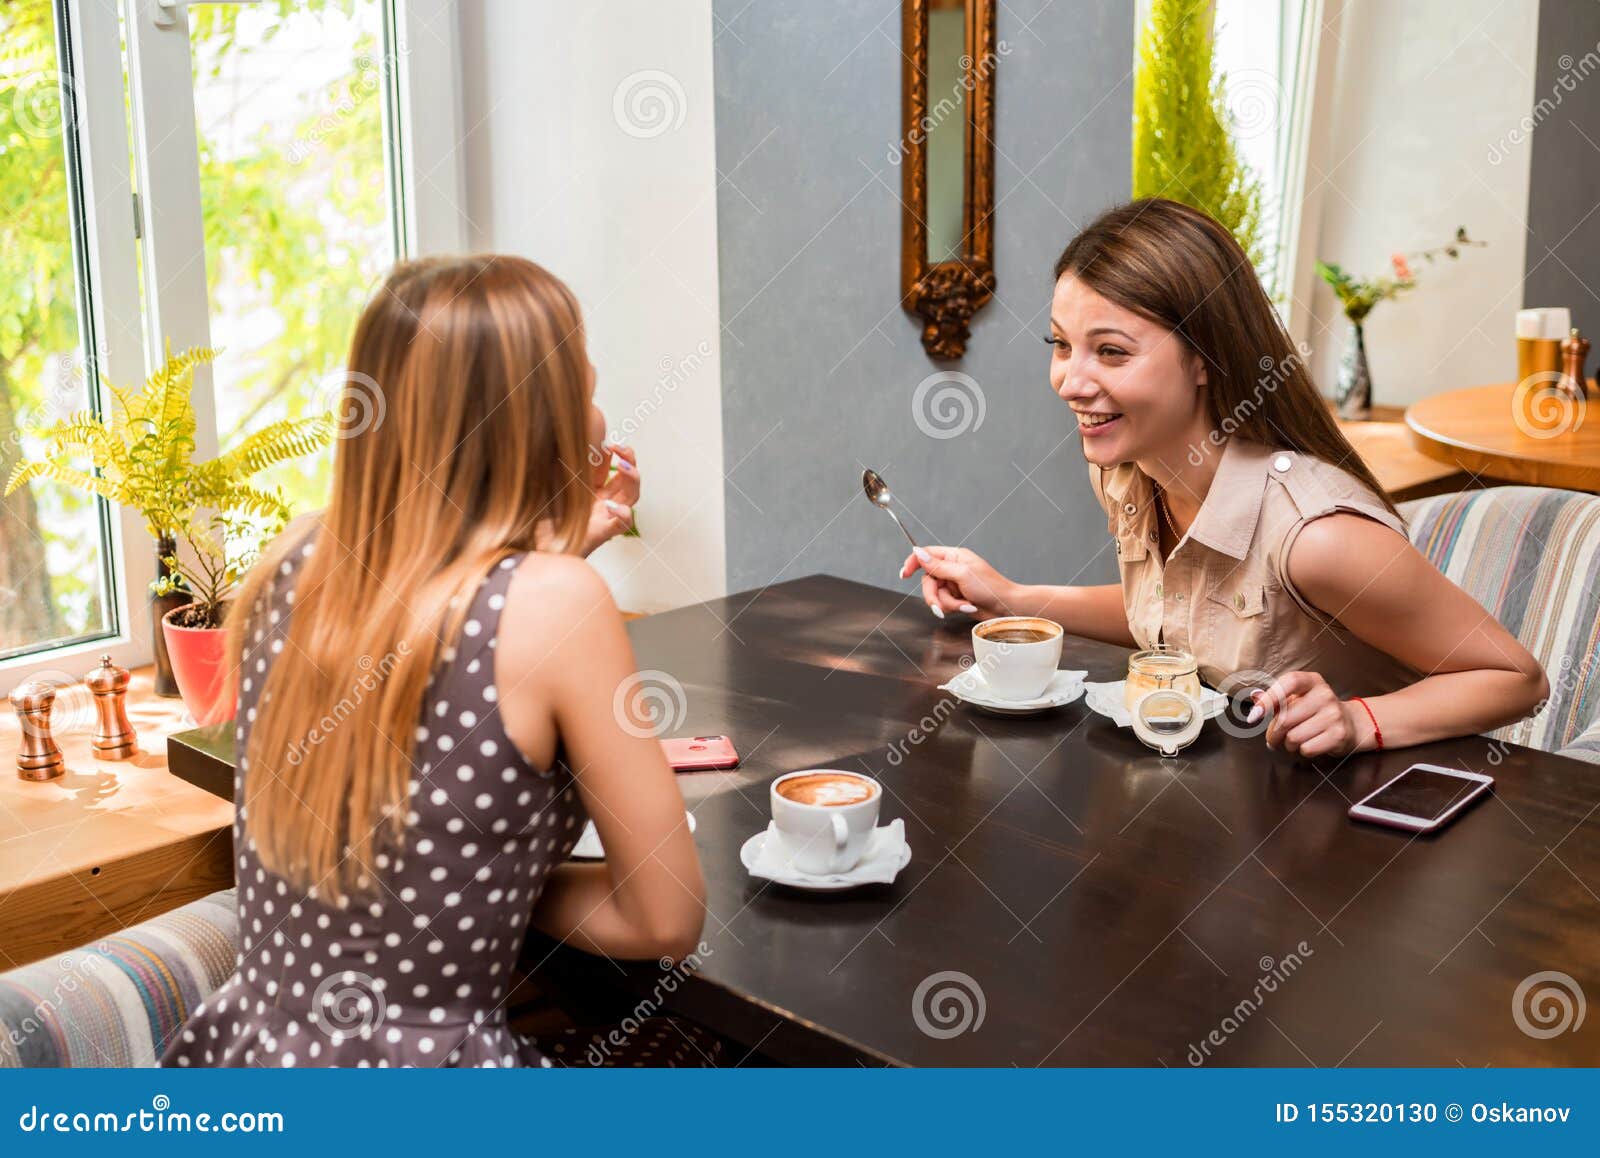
(141,457)
(1183,146)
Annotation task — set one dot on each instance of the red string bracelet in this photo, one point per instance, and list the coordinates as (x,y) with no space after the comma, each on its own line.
(1377,732)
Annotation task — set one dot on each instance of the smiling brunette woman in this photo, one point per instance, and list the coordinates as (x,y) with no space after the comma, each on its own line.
(1247,529)
(425,708)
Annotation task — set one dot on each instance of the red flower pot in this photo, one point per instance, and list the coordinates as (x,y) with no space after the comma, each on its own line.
(200,667)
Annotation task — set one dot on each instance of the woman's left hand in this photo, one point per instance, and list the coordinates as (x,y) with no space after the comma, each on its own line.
(1307,717)
(612,512)
(614,497)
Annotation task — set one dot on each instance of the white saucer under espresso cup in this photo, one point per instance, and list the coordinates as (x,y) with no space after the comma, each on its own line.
(1018,655)
(819,837)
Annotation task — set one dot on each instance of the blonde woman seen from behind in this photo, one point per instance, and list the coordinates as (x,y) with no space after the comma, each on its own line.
(426,679)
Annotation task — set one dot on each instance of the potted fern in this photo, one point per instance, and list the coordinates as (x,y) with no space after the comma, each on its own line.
(208,519)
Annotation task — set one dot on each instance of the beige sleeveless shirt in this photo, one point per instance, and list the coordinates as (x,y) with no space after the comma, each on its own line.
(1223,595)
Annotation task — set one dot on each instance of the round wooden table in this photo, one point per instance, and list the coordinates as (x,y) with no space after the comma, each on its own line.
(1512,434)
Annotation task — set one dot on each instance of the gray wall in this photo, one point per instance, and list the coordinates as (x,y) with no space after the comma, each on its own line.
(820,365)
(1563,228)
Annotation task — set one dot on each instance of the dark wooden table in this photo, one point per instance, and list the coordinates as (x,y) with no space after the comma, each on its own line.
(1112,908)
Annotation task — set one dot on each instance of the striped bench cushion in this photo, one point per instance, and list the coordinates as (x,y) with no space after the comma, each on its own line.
(118,1002)
(1531,556)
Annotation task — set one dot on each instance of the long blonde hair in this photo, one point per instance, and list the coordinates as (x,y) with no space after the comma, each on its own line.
(462,428)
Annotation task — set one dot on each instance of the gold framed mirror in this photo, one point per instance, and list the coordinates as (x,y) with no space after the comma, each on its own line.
(947,167)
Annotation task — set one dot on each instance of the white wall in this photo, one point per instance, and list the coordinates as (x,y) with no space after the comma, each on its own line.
(590,148)
(1424,90)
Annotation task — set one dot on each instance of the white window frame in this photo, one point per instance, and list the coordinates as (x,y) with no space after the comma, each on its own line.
(1315,152)
(429,186)
(94,77)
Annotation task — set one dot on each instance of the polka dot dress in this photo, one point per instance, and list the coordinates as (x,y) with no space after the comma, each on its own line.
(418,975)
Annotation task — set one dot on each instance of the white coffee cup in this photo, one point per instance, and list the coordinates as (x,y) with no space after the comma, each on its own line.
(1017,670)
(819,838)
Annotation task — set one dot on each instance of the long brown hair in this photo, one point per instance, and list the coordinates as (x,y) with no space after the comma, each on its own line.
(1182,270)
(462,427)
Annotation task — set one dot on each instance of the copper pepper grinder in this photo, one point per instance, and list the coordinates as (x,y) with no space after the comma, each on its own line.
(38,758)
(1574,353)
(114,738)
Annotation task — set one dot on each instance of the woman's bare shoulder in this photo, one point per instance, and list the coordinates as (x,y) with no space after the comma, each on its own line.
(553,605)
(1343,554)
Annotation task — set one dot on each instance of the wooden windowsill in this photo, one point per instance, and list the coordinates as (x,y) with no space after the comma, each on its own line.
(109,843)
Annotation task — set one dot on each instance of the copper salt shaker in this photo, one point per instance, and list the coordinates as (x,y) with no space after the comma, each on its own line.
(114,738)
(38,758)
(1574,353)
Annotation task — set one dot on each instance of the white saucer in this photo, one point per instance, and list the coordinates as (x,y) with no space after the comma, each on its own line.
(750,856)
(970,687)
(589,846)
(1106,698)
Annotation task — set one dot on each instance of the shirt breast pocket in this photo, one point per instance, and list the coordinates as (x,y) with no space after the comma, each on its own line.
(1239,626)
(1245,600)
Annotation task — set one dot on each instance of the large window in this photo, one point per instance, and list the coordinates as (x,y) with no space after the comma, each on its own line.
(176,174)
(299,224)
(55,579)
(1266,50)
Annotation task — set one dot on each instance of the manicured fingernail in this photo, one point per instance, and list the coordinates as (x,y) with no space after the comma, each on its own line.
(969,609)
(616,508)
(921,553)
(936,609)
(1255,714)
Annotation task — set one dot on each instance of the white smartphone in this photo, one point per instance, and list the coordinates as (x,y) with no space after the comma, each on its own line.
(1423,798)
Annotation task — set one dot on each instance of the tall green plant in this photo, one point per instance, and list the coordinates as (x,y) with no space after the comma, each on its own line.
(1183,146)
(142,457)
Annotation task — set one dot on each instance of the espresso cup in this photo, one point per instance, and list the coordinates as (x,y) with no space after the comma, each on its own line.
(825,822)
(1018,655)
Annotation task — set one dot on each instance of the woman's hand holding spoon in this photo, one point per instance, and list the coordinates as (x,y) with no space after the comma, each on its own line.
(956,579)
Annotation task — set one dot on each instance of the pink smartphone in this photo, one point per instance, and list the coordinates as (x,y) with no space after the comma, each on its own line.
(1423,798)
(700,754)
